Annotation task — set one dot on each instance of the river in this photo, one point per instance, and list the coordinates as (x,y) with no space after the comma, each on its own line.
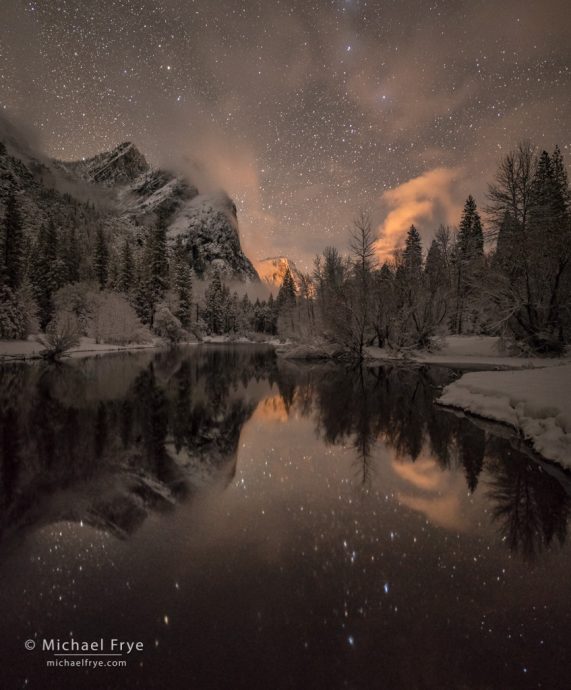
(255,523)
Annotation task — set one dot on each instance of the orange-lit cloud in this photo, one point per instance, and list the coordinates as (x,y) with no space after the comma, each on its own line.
(212,158)
(426,200)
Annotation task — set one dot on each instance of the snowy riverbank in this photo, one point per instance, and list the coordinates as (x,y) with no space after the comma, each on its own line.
(18,350)
(482,352)
(15,350)
(536,402)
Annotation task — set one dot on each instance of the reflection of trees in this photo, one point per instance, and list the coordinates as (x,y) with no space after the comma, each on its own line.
(151,411)
(531,507)
(471,448)
(120,455)
(10,454)
(360,405)
(182,418)
(172,424)
(395,404)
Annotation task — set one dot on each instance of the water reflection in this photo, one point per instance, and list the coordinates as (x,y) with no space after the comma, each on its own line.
(107,441)
(530,507)
(394,406)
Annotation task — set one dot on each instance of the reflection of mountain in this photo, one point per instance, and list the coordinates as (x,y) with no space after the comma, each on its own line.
(107,441)
(395,404)
(106,449)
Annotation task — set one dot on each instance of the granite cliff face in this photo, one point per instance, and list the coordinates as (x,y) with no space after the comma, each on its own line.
(273,270)
(120,190)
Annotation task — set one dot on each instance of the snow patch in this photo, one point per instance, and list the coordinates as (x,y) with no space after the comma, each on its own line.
(536,402)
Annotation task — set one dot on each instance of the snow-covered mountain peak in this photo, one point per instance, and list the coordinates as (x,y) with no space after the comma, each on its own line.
(208,226)
(121,165)
(126,196)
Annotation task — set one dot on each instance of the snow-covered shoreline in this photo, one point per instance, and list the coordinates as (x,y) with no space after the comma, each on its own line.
(533,396)
(530,394)
(481,352)
(536,402)
(23,350)
(31,350)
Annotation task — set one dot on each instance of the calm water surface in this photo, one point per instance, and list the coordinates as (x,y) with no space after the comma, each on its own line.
(262,524)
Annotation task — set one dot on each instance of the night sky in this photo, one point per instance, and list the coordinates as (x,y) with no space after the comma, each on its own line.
(304,111)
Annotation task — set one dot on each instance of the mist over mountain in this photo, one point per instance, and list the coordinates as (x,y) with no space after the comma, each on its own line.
(121,192)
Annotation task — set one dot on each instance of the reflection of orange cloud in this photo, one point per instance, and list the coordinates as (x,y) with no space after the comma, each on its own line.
(441,510)
(271,410)
(421,199)
(423,473)
(441,491)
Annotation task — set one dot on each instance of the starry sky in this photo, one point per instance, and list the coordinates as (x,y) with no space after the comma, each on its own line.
(305,111)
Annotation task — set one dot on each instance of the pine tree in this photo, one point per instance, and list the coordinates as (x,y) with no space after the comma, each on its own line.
(12,320)
(271,323)
(153,273)
(286,306)
(550,196)
(469,262)
(114,271)
(101,258)
(471,234)
(144,301)
(408,276)
(184,289)
(561,183)
(156,256)
(28,306)
(71,257)
(232,312)
(435,268)
(12,239)
(287,292)
(412,255)
(543,203)
(127,268)
(214,307)
(246,317)
(46,270)
(549,243)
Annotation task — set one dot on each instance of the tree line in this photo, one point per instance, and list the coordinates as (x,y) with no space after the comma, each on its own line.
(509,277)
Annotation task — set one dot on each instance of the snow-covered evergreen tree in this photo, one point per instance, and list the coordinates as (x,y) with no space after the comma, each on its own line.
(412,255)
(126,280)
(214,314)
(12,245)
(46,271)
(469,258)
(101,260)
(183,279)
